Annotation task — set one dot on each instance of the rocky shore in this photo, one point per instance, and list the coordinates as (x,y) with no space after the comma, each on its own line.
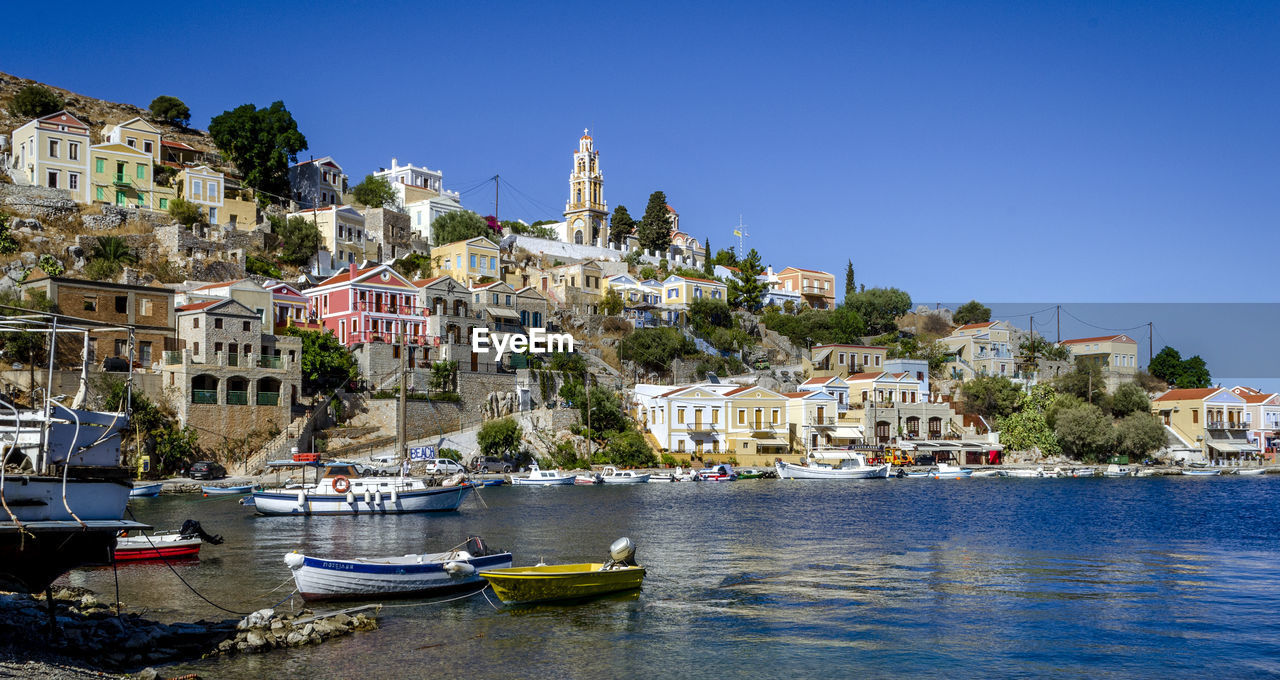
(91,638)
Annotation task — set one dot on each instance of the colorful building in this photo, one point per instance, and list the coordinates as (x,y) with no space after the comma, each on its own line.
(678,292)
(1210,420)
(817,288)
(468,261)
(981,349)
(318,182)
(813,421)
(121,175)
(826,361)
(342,235)
(1261,418)
(1115,355)
(757,422)
(53,152)
(375,304)
(136,133)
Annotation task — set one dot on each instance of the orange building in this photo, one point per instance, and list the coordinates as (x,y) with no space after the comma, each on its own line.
(818,289)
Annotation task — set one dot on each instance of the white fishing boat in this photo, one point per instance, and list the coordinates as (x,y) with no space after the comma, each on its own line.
(844,464)
(1202,472)
(612,475)
(949,471)
(1251,472)
(341,492)
(1114,470)
(1024,473)
(1083,472)
(539,477)
(145,490)
(989,472)
(427,574)
(1146,472)
(678,476)
(718,473)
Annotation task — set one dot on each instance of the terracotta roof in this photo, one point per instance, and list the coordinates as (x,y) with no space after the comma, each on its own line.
(865,376)
(816,381)
(218,285)
(732,269)
(797,395)
(811,271)
(744,388)
(971,326)
(1100,338)
(897,375)
(1253,398)
(345,275)
(176,145)
(678,389)
(198,305)
(1193,393)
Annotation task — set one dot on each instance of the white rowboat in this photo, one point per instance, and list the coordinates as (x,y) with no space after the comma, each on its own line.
(428,574)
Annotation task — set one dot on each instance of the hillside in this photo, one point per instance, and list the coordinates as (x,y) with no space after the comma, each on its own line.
(95,113)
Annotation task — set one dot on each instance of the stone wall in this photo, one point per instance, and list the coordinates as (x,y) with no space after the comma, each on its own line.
(41,202)
(476,387)
(425,418)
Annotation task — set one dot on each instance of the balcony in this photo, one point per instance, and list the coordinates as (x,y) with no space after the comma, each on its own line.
(172,358)
(1228,425)
(814,290)
(204,396)
(121,179)
(700,427)
(238,398)
(268,399)
(265,361)
(233,360)
(825,421)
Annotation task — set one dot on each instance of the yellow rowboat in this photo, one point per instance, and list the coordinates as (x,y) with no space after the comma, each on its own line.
(522,585)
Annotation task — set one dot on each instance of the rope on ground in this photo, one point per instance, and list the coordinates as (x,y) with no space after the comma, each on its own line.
(184,581)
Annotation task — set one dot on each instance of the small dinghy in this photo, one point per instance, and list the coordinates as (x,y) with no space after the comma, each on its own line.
(678,476)
(1202,472)
(986,473)
(426,575)
(586,480)
(183,544)
(546,583)
(224,490)
(1023,473)
(948,471)
(1251,472)
(1114,470)
(145,490)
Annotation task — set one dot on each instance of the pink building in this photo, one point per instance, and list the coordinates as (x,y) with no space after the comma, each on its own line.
(375,304)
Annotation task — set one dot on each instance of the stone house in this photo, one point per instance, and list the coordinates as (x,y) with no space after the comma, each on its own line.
(390,231)
(148,309)
(230,380)
(317,183)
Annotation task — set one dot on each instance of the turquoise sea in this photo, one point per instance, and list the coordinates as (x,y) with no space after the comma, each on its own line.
(985,578)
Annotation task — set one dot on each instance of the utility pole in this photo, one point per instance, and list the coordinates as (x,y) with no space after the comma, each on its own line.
(402,441)
(495,196)
(1150,345)
(1058,317)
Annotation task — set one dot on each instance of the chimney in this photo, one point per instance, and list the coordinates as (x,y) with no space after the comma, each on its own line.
(351,269)
(393,163)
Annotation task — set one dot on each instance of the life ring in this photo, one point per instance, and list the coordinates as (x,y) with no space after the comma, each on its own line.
(341,484)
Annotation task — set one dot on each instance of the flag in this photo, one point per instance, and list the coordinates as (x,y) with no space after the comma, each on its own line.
(737,233)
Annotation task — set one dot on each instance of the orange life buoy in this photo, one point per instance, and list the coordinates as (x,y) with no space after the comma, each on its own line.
(341,484)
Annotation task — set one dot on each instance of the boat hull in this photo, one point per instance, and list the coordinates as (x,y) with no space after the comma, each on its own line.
(553,481)
(145,490)
(321,579)
(435,499)
(170,547)
(1202,473)
(1251,472)
(39,499)
(793,471)
(525,585)
(226,490)
(638,479)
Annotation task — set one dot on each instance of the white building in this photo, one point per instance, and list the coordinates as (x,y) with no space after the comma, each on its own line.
(413,183)
(423,213)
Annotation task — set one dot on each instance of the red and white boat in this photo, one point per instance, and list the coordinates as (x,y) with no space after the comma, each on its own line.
(162,546)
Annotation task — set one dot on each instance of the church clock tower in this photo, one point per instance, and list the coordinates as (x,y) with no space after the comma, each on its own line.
(585,213)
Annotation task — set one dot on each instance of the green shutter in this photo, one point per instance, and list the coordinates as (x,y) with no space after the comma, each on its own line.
(142,171)
(142,198)
(164,204)
(120,198)
(99,165)
(99,188)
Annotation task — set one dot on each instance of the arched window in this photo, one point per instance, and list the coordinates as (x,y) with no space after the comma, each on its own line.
(204,389)
(577,237)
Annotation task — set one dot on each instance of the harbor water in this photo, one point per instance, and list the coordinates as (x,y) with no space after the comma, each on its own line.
(994,578)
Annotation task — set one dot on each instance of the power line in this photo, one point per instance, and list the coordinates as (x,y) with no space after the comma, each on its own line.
(1102,328)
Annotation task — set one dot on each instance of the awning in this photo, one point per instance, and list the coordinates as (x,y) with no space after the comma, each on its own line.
(504,312)
(822,354)
(846,432)
(771,441)
(1223,446)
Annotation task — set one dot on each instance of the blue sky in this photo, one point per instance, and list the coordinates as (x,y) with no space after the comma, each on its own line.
(1082,151)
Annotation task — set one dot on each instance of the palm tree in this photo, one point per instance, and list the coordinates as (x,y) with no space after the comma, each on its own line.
(113,249)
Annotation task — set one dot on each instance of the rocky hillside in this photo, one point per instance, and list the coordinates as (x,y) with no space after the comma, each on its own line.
(95,113)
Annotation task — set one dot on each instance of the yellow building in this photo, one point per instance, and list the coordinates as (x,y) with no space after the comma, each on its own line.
(207,188)
(578,286)
(135,133)
(1210,419)
(840,361)
(120,175)
(757,424)
(341,233)
(1115,355)
(678,292)
(981,349)
(812,420)
(53,152)
(468,261)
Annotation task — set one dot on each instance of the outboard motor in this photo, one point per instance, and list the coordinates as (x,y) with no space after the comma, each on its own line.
(476,546)
(192,529)
(621,554)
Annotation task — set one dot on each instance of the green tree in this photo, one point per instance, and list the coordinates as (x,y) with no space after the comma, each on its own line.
(1166,365)
(170,110)
(108,258)
(606,414)
(261,142)
(1129,398)
(654,348)
(850,284)
(374,192)
(1085,433)
(185,212)
(1085,382)
(612,303)
(727,257)
(537,229)
(1027,428)
(460,225)
(972,312)
(1194,373)
(708,267)
(1138,434)
(35,101)
(413,266)
(444,376)
(654,231)
(621,225)
(299,238)
(629,449)
(879,307)
(499,437)
(990,396)
(326,363)
(745,289)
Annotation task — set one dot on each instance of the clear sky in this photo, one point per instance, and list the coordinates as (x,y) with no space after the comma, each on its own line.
(1019,151)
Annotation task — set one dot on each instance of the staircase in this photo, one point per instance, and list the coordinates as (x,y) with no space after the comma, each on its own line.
(281,445)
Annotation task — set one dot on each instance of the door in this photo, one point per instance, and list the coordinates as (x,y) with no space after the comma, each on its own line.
(697,419)
(475,362)
(759,419)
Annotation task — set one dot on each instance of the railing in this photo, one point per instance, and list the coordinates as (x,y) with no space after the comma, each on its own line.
(233,359)
(268,399)
(204,396)
(824,421)
(121,179)
(171,358)
(1225,425)
(813,290)
(265,361)
(239,398)
(699,427)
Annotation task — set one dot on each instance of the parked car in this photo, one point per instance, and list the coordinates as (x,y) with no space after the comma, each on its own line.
(386,458)
(444,466)
(361,469)
(491,464)
(207,469)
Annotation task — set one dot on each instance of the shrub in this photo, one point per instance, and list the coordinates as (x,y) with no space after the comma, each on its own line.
(50,265)
(170,110)
(374,192)
(668,460)
(450,454)
(35,101)
(261,267)
(299,239)
(103,270)
(185,212)
(499,437)
(630,449)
